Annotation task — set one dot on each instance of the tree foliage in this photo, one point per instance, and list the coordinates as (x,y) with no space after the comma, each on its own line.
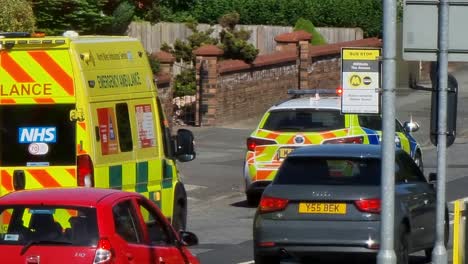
(308,26)
(57,16)
(16,16)
(183,50)
(93,16)
(234,42)
(366,14)
(120,18)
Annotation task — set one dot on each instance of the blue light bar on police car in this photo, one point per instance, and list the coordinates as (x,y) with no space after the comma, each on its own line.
(312,91)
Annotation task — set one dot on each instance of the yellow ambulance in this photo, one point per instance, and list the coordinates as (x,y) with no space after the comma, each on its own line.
(84,111)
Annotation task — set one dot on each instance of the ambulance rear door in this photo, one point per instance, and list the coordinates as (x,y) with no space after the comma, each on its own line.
(37,96)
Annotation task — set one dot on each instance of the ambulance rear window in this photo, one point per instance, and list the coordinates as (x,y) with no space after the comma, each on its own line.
(37,135)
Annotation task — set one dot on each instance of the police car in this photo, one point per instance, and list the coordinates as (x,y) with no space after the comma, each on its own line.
(303,120)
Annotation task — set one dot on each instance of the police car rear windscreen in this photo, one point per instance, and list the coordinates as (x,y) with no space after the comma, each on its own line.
(37,135)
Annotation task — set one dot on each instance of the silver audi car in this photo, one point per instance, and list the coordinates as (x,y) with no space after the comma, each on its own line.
(326,200)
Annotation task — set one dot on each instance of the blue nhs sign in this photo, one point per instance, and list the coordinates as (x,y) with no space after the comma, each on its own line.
(37,134)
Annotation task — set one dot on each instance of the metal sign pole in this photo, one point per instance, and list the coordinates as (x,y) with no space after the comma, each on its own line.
(386,253)
(439,254)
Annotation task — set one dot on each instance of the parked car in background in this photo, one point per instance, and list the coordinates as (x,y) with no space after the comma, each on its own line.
(302,121)
(327,199)
(88,225)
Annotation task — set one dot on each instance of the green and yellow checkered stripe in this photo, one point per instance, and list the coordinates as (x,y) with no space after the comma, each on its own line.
(155,179)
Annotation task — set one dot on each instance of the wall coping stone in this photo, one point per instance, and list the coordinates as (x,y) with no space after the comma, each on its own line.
(208,50)
(164,57)
(261,61)
(163,78)
(292,37)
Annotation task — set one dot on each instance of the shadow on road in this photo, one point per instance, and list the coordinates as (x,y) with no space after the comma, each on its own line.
(350,259)
(243,204)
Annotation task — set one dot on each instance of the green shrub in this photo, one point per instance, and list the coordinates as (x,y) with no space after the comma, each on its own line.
(185,83)
(154,63)
(306,25)
(16,16)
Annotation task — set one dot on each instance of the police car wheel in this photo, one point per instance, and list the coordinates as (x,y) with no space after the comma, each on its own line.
(418,160)
(252,199)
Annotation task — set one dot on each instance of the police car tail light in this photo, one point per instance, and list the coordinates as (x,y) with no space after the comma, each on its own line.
(346,140)
(368,205)
(85,171)
(103,252)
(272,204)
(339,91)
(252,143)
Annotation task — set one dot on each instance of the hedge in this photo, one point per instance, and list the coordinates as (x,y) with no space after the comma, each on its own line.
(366,14)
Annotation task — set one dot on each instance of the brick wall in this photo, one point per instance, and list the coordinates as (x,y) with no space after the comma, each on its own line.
(232,90)
(246,93)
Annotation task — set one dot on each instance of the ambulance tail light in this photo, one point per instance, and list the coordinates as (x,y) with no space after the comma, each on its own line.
(104,252)
(85,171)
(345,140)
(252,143)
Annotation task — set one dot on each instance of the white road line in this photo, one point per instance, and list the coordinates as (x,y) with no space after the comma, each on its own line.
(247,262)
(191,187)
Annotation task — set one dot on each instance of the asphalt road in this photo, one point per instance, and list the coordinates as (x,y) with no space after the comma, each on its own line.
(218,213)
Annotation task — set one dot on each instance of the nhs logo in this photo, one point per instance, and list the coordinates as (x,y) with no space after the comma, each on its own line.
(37,134)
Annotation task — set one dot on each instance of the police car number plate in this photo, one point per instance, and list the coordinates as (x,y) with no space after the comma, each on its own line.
(322,208)
(284,152)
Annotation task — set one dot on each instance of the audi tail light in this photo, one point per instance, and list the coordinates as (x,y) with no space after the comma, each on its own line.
(272,204)
(369,205)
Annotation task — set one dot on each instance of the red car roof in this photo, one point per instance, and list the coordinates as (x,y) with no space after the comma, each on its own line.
(62,196)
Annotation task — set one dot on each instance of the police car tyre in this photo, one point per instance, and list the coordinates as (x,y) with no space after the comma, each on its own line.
(253,199)
(419,161)
(179,216)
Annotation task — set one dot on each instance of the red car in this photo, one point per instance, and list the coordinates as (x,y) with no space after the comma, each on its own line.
(88,225)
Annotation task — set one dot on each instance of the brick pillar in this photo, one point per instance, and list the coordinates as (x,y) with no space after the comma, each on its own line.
(166,61)
(207,84)
(299,41)
(164,80)
(304,63)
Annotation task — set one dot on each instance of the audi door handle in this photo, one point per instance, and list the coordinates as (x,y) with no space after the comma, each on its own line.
(129,256)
